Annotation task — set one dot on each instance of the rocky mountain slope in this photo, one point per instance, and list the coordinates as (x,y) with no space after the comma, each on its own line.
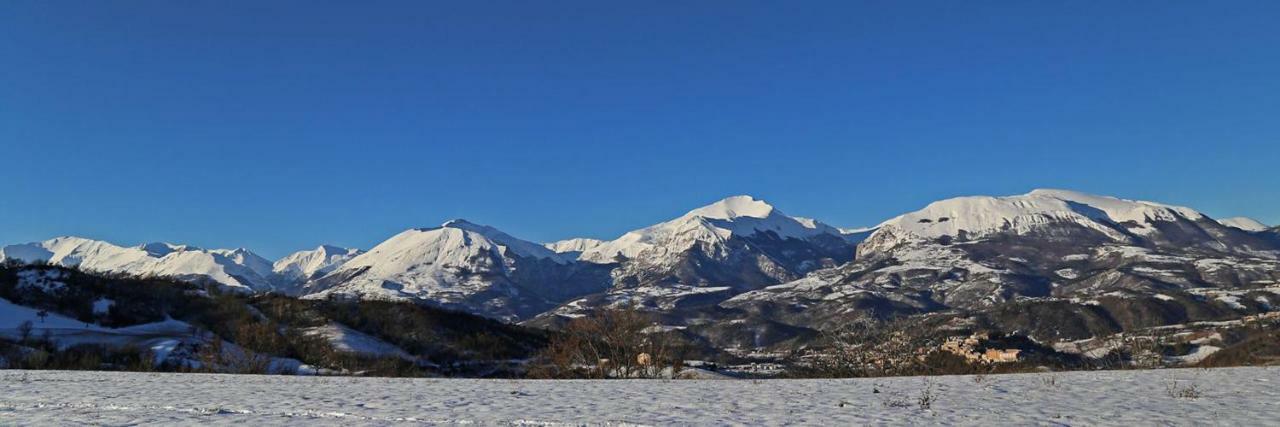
(710,254)
(1070,256)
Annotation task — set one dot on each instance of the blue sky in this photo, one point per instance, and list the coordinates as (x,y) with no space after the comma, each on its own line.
(285,124)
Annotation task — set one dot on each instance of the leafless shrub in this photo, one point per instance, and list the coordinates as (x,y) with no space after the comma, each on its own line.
(924,401)
(926,398)
(979,378)
(1049,381)
(896,400)
(1189,391)
(24,331)
(1144,351)
(217,357)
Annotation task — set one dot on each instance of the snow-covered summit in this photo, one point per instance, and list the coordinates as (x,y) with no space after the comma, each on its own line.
(573,247)
(517,246)
(717,222)
(247,258)
(459,265)
(977,216)
(1244,223)
(303,265)
(734,207)
(420,253)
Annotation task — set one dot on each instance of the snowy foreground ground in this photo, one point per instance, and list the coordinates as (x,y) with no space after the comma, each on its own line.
(1240,396)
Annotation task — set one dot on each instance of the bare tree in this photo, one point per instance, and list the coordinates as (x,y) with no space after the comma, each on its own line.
(216,356)
(24,331)
(614,343)
(1144,351)
(866,346)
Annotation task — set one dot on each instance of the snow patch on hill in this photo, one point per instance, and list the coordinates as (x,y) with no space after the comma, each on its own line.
(349,340)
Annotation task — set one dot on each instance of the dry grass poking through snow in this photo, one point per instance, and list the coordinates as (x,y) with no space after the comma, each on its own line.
(1233,396)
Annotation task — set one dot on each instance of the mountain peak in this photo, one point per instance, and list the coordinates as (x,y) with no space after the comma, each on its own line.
(331,249)
(1058,192)
(519,246)
(484,230)
(459,223)
(735,207)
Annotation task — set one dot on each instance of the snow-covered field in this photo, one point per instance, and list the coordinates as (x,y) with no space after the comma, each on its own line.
(1238,396)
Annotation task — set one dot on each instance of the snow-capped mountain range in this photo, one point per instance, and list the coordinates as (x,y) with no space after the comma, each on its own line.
(743,255)
(234,268)
(1079,259)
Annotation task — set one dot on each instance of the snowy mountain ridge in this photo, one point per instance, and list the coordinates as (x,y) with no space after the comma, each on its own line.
(573,247)
(1243,223)
(712,224)
(235,268)
(505,241)
(975,217)
(304,265)
(956,252)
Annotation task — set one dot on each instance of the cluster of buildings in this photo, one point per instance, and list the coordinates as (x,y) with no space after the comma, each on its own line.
(967,347)
(1271,315)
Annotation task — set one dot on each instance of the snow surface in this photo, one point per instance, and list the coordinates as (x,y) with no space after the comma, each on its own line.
(103,305)
(1243,223)
(44,281)
(350,340)
(717,222)
(1234,396)
(68,332)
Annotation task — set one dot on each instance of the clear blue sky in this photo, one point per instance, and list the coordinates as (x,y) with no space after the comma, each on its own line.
(279,125)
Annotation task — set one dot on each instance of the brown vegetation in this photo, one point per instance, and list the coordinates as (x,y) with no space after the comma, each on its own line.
(618,343)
